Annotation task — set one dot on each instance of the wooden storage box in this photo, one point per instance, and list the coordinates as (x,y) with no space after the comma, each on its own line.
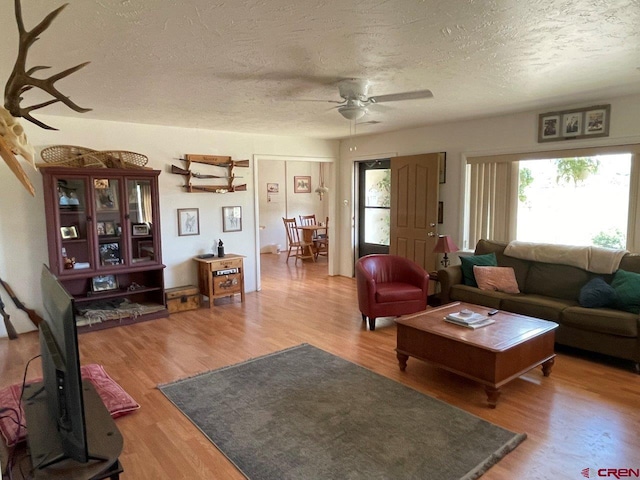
(180,299)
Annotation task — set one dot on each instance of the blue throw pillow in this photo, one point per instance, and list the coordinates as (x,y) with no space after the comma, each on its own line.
(627,287)
(488,260)
(597,293)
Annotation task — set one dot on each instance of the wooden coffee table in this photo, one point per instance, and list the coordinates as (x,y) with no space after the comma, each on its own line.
(491,355)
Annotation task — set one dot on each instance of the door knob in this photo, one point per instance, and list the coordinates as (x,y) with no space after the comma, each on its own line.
(432,225)
(431,234)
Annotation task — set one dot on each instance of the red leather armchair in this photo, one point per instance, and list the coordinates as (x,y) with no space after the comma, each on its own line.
(390,285)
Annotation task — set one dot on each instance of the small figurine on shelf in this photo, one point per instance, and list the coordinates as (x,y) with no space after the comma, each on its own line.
(220,249)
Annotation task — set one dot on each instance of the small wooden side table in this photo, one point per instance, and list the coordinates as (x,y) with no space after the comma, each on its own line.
(220,277)
(434,300)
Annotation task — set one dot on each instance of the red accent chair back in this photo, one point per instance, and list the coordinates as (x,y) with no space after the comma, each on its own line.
(390,285)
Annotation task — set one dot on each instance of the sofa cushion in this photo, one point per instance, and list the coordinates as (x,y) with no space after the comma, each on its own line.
(521,267)
(627,287)
(500,279)
(597,293)
(488,260)
(397,292)
(114,397)
(603,320)
(487,298)
(557,281)
(537,306)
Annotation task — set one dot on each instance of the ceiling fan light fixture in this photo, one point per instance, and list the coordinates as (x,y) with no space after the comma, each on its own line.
(352,112)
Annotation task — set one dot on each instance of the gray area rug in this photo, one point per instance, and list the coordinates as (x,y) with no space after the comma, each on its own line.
(303,413)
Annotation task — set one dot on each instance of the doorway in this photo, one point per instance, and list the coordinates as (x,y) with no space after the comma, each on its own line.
(374,207)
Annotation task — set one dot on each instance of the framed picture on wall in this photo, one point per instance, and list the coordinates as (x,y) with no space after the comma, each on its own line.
(188,221)
(574,124)
(302,184)
(273,188)
(231,219)
(442,167)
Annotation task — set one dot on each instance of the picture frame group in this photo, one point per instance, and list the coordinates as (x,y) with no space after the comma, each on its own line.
(106,228)
(588,122)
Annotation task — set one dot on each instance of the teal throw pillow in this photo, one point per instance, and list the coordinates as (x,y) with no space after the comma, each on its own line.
(488,260)
(627,287)
(597,293)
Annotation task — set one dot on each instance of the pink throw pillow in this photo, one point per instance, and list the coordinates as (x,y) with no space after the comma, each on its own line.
(501,279)
(117,401)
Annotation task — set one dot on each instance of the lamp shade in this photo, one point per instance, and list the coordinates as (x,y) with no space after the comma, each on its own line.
(445,245)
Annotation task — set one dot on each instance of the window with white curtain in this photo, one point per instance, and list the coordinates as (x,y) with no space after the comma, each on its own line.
(578,197)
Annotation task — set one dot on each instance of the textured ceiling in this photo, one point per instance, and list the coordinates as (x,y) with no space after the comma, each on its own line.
(248,65)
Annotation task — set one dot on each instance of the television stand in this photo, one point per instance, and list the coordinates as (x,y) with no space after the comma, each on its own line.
(103,438)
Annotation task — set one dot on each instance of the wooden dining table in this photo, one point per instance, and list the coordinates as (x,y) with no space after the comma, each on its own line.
(308,232)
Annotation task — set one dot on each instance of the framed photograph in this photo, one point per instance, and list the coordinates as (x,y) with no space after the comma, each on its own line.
(145,249)
(100,229)
(572,124)
(69,232)
(110,253)
(548,127)
(442,167)
(440,212)
(231,219)
(109,228)
(104,283)
(106,195)
(302,184)
(140,229)
(596,121)
(273,188)
(188,221)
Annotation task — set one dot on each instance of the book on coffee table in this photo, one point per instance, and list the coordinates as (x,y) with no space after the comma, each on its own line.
(466,319)
(474,326)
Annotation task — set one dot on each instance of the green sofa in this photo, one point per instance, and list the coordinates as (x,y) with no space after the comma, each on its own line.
(550,291)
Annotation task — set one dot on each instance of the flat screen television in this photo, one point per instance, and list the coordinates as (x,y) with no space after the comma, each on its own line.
(61,372)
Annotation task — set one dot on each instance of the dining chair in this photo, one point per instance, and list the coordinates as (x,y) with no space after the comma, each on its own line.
(293,239)
(306,220)
(322,241)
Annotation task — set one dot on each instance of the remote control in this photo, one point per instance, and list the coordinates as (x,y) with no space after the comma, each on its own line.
(492,312)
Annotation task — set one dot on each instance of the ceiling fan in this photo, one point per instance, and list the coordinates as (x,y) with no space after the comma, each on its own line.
(355,99)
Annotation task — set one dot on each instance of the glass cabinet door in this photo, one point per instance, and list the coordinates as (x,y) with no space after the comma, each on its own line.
(140,195)
(108,222)
(73,215)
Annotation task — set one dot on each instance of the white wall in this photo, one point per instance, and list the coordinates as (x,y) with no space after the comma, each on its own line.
(23,247)
(504,134)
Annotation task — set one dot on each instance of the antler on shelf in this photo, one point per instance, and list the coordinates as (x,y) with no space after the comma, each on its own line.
(21,79)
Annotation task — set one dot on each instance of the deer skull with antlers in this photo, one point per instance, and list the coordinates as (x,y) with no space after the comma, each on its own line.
(13,140)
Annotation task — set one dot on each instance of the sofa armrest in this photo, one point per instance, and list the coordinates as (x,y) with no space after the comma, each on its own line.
(448,277)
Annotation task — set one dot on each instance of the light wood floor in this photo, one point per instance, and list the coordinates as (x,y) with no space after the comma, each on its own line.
(586,414)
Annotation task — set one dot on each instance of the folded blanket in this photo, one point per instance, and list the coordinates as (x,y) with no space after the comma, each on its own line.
(592,259)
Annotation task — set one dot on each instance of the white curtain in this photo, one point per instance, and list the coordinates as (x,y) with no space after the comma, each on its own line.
(493,188)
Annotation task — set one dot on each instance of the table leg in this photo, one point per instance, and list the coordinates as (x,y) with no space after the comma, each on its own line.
(492,395)
(547,366)
(402,360)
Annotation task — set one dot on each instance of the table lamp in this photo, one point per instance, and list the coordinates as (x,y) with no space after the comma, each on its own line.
(445,245)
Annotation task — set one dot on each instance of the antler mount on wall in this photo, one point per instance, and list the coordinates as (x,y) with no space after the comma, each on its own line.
(13,140)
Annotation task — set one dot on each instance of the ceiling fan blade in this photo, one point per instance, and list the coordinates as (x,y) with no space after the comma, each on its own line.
(339,102)
(394,97)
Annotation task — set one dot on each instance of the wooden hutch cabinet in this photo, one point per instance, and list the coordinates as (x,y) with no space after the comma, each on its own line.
(103,232)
